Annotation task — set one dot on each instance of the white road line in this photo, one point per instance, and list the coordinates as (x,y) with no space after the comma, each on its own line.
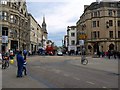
(76,78)
(56,70)
(90,82)
(104,87)
(66,75)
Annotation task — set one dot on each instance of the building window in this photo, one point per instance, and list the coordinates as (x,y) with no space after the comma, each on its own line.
(118,5)
(112,4)
(94,23)
(118,34)
(22,22)
(97,23)
(110,12)
(4,31)
(110,22)
(111,34)
(0,15)
(98,13)
(12,19)
(95,14)
(118,23)
(73,42)
(4,2)
(94,35)
(15,34)
(91,15)
(98,34)
(15,19)
(72,34)
(21,11)
(118,13)
(3,16)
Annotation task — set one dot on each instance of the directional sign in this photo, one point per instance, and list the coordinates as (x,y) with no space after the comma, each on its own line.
(4,39)
(81,42)
(83,36)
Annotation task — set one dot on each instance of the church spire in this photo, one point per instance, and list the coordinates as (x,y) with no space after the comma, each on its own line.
(43,19)
(44,25)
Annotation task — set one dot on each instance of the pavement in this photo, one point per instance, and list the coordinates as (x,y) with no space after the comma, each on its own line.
(103,64)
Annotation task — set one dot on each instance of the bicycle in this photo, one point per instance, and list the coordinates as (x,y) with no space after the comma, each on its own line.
(84,61)
(5,63)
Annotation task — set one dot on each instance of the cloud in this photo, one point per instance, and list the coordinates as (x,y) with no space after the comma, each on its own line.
(60,17)
(58,14)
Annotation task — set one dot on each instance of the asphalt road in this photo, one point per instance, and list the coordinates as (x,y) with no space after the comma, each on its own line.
(57,72)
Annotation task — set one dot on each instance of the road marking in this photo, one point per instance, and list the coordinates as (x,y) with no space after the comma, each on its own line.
(56,70)
(104,87)
(90,82)
(76,78)
(66,75)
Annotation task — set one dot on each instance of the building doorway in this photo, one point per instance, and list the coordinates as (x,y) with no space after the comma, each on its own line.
(96,47)
(3,47)
(14,45)
(111,46)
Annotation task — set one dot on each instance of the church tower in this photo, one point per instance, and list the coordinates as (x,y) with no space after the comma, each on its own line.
(45,34)
(44,26)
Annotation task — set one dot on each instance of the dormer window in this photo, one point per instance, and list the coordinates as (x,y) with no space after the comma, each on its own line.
(11,18)
(21,11)
(112,4)
(4,2)
(119,5)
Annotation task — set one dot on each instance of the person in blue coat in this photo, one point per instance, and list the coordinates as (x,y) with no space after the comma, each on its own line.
(20,62)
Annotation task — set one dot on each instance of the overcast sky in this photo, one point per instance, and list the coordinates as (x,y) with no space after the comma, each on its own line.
(58,15)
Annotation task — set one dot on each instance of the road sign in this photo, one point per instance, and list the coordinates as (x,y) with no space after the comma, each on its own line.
(4,39)
(83,36)
(81,42)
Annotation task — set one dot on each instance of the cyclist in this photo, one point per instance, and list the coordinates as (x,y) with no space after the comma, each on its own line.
(84,61)
(5,60)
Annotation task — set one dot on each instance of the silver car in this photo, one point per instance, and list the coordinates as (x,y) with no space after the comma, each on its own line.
(59,53)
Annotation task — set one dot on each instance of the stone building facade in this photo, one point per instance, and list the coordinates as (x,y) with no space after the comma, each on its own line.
(35,32)
(19,29)
(72,39)
(13,25)
(100,22)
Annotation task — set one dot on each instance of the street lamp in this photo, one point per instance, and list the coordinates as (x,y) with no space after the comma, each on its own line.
(115,30)
(19,32)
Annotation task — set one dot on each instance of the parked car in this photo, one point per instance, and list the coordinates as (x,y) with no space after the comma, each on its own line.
(59,53)
(0,58)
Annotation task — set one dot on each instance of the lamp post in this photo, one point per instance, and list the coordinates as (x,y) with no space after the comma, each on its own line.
(42,41)
(19,32)
(115,30)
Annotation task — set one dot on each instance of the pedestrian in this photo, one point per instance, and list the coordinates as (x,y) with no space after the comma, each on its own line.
(25,54)
(114,54)
(20,62)
(24,67)
(109,53)
(118,55)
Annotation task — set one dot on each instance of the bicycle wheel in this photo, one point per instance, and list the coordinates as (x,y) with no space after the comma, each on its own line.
(84,61)
(7,64)
(3,65)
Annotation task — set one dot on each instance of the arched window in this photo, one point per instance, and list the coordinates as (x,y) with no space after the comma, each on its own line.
(11,18)
(21,11)
(3,15)
(15,33)
(4,2)
(111,46)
